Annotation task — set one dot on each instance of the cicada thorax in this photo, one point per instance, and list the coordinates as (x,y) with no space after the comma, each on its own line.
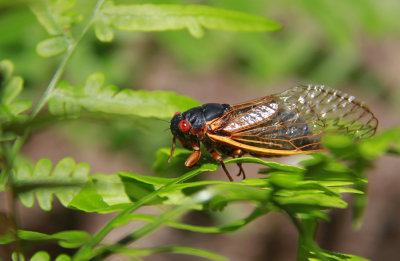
(288,123)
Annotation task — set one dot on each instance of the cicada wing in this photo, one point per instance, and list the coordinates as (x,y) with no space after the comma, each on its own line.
(296,119)
(330,111)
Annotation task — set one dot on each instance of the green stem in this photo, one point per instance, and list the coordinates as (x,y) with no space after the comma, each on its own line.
(172,213)
(307,229)
(61,68)
(43,100)
(166,218)
(86,251)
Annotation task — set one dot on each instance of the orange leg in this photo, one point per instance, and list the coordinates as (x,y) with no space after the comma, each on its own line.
(195,156)
(218,158)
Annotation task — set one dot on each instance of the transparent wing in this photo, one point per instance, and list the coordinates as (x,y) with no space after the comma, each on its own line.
(296,119)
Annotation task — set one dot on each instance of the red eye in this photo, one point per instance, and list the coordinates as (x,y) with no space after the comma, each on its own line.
(184,126)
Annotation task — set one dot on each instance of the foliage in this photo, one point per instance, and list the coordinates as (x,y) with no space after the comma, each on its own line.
(69,100)
(304,194)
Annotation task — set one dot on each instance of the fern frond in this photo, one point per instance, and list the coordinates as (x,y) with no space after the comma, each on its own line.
(54,16)
(194,18)
(11,108)
(57,18)
(69,101)
(64,181)
(39,256)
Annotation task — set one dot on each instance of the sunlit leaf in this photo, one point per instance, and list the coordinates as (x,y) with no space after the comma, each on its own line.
(6,69)
(194,18)
(11,90)
(52,46)
(11,107)
(40,256)
(103,30)
(65,181)
(63,257)
(66,239)
(70,100)
(89,200)
(138,252)
(54,16)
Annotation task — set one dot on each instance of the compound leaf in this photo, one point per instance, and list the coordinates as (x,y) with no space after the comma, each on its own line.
(55,15)
(69,100)
(11,108)
(65,181)
(51,46)
(40,256)
(149,17)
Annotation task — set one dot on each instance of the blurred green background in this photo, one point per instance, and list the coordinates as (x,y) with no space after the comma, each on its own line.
(348,45)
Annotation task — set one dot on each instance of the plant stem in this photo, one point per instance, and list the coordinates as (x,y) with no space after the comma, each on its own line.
(43,100)
(85,252)
(55,79)
(61,68)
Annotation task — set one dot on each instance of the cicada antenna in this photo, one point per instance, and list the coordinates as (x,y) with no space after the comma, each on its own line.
(162,120)
(172,150)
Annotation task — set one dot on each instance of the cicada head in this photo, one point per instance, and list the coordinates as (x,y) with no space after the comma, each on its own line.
(180,128)
(189,127)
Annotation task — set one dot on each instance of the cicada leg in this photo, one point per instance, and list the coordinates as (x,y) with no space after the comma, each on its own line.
(218,158)
(237,154)
(195,156)
(241,170)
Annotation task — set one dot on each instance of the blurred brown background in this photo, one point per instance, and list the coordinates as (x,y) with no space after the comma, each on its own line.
(348,45)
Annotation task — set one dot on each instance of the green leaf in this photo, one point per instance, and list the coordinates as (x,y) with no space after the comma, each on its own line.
(324,168)
(17,257)
(72,238)
(6,70)
(44,14)
(89,200)
(322,255)
(66,239)
(11,90)
(40,256)
(7,229)
(136,252)
(52,46)
(103,30)
(18,107)
(32,235)
(311,198)
(69,100)
(234,226)
(65,181)
(136,188)
(194,18)
(389,141)
(63,257)
(54,15)
(271,164)
(11,109)
(110,188)
(94,83)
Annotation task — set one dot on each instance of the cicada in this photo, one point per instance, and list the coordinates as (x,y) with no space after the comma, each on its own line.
(288,123)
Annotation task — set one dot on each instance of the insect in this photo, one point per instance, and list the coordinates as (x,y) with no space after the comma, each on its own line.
(288,123)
